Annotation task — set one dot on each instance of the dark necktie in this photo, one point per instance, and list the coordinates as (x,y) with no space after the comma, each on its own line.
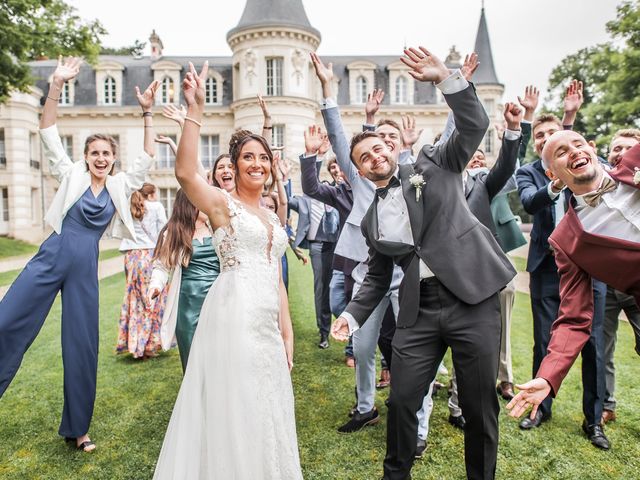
(393,182)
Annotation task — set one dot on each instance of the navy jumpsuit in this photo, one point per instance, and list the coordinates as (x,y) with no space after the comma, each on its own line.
(67,262)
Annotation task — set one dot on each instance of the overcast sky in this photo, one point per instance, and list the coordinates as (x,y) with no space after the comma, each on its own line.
(528,37)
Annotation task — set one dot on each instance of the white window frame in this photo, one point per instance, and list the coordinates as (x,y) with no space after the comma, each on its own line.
(166,196)
(167,90)
(209,149)
(274,76)
(401,90)
(278,135)
(110,97)
(165,158)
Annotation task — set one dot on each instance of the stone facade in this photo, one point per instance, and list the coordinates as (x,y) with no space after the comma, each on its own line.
(270,56)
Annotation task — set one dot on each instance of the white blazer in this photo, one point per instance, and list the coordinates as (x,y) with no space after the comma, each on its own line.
(74,180)
(159,279)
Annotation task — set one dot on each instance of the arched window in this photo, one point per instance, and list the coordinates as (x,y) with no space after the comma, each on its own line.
(361,90)
(166,91)
(109,90)
(402,95)
(211,91)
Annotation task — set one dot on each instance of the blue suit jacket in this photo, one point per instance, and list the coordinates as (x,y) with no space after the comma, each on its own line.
(532,188)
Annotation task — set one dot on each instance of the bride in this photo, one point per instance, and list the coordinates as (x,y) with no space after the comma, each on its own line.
(234,415)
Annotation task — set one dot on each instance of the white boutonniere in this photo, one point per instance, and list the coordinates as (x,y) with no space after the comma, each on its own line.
(417,181)
(636,176)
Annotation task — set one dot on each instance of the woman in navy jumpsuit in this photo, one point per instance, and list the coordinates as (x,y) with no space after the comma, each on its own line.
(88,199)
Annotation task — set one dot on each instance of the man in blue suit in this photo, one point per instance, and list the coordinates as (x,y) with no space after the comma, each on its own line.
(546,201)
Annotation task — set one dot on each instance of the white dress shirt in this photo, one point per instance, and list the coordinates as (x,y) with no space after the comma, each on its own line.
(147,229)
(617,215)
(315,217)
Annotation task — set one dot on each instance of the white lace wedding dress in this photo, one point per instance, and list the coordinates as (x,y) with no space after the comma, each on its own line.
(234,415)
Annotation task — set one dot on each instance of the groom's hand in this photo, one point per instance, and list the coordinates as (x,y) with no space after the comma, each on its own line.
(340,329)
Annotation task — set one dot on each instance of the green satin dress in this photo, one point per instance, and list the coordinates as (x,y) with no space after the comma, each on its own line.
(197,278)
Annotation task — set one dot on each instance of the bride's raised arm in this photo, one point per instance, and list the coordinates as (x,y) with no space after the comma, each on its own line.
(206,198)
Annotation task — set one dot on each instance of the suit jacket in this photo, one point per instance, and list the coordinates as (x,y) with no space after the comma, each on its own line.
(482,188)
(302,205)
(351,244)
(532,187)
(460,251)
(74,180)
(582,256)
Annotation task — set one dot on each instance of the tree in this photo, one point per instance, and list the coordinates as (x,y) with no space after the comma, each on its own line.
(611,76)
(31,30)
(136,49)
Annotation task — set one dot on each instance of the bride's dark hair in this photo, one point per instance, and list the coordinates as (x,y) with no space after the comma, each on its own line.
(238,140)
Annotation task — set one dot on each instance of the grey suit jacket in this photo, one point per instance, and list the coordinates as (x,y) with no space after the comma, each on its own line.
(461,252)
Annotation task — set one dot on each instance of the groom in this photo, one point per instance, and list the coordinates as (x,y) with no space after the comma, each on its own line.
(453,271)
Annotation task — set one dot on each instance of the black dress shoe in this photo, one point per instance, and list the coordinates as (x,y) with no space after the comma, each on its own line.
(360,420)
(324,342)
(528,424)
(458,422)
(596,435)
(421,446)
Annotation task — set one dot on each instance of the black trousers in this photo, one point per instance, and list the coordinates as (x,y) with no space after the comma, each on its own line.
(473,333)
(544,286)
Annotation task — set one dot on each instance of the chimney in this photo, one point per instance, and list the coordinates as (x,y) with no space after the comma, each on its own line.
(156,45)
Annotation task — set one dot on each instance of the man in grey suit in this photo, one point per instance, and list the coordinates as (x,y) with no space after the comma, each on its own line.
(453,269)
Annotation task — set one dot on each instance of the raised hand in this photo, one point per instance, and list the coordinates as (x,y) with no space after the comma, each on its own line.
(531,394)
(67,69)
(513,116)
(374,99)
(174,113)
(469,66)
(530,101)
(147,98)
(424,66)
(574,98)
(324,148)
(410,134)
(193,85)
(340,329)
(263,107)
(323,72)
(313,139)
(285,168)
(167,141)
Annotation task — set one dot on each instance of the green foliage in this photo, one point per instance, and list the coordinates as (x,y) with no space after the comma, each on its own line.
(611,76)
(135,398)
(31,29)
(136,49)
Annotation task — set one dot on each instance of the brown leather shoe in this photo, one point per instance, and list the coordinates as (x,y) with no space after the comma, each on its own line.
(608,416)
(385,379)
(350,361)
(505,390)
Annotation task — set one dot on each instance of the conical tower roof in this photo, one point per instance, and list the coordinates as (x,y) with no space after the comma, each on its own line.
(486,73)
(273,13)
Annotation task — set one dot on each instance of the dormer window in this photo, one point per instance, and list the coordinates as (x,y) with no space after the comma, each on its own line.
(361,90)
(110,91)
(401,92)
(166,91)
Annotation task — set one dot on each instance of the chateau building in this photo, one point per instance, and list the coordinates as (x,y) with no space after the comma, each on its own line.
(270,49)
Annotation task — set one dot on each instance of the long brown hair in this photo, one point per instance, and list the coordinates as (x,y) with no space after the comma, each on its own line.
(238,140)
(138,198)
(176,236)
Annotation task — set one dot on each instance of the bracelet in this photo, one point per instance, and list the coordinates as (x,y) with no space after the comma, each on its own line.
(147,114)
(194,121)
(267,128)
(54,99)
(148,126)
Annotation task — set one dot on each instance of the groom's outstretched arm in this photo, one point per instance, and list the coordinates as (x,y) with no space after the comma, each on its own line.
(469,116)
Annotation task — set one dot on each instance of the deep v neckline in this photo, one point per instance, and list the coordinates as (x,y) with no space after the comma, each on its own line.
(268,226)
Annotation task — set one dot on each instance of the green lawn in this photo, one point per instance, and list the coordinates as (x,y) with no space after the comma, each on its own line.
(7,278)
(10,247)
(135,399)
(107,254)
(519,262)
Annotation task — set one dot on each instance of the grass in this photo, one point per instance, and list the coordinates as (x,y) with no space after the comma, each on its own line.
(10,247)
(7,278)
(519,262)
(134,402)
(107,254)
